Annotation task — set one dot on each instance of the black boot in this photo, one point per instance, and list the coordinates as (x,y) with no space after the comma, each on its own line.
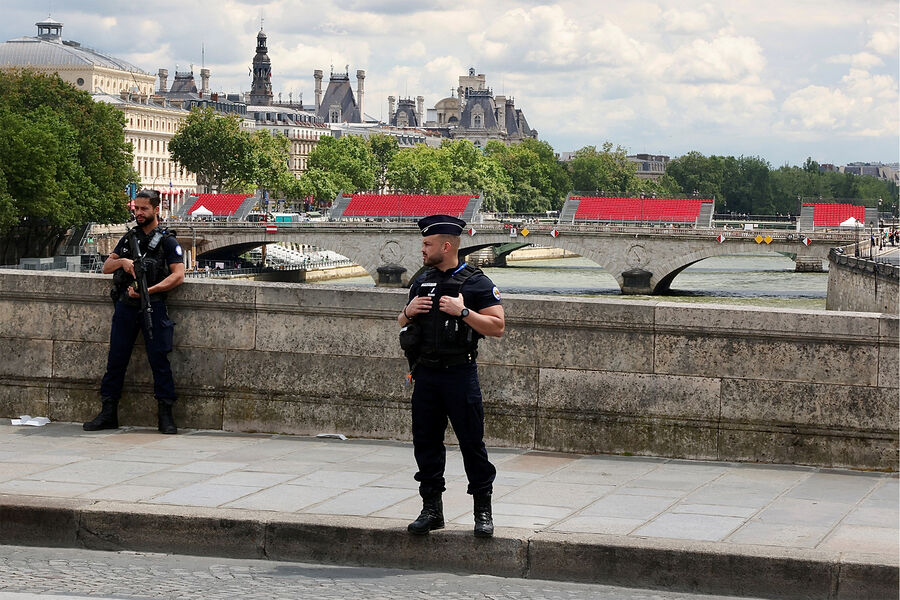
(431,517)
(108,417)
(166,422)
(484,522)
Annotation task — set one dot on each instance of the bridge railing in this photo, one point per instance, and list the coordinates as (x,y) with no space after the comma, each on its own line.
(498,228)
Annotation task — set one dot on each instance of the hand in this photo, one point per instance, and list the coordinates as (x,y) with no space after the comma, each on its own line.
(452,305)
(133,293)
(417,306)
(128,266)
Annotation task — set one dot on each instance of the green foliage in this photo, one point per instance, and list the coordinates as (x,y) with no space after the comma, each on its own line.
(63,158)
(216,149)
(749,184)
(608,171)
(383,147)
(336,165)
(269,156)
(421,169)
(537,181)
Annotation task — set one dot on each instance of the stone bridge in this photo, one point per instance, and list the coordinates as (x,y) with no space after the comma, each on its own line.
(644,260)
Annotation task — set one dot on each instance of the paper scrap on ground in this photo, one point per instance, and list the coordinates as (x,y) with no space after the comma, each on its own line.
(29,420)
(337,436)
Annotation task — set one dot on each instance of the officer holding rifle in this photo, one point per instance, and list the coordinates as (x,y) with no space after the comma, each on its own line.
(146,263)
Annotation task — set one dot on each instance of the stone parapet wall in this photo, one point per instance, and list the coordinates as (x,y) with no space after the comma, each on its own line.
(860,284)
(570,375)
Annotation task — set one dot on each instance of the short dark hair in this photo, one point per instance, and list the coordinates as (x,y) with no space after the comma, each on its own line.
(151,195)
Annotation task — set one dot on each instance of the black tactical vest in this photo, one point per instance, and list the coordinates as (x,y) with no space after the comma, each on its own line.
(152,248)
(445,336)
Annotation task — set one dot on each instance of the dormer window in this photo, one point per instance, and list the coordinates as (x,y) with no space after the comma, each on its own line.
(477,117)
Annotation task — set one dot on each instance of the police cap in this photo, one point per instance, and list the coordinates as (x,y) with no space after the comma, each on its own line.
(441,224)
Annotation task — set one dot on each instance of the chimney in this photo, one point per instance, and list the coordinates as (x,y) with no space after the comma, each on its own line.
(391,100)
(420,110)
(163,80)
(500,102)
(360,83)
(318,75)
(204,81)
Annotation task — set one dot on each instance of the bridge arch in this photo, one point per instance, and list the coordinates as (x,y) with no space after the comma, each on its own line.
(669,268)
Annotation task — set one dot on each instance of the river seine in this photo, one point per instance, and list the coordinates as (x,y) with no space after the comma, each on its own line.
(754,280)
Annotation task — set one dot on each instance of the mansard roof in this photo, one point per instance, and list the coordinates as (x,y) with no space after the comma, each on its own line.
(408,106)
(340,92)
(484,100)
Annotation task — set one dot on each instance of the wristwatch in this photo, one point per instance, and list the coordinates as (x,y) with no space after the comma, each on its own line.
(464,313)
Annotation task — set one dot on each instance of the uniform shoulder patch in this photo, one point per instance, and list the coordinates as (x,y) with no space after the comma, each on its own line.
(496,292)
(178,249)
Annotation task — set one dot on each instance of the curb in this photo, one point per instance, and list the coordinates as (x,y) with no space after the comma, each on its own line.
(673,565)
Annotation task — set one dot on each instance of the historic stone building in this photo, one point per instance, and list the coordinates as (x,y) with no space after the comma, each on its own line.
(149,122)
(474,113)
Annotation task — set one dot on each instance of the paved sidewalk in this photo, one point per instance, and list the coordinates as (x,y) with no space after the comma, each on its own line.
(687,525)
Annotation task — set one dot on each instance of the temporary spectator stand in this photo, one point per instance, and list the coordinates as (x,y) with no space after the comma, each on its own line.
(604,209)
(221,205)
(822,214)
(405,207)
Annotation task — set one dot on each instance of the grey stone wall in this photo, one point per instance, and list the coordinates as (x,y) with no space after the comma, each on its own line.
(858,284)
(584,376)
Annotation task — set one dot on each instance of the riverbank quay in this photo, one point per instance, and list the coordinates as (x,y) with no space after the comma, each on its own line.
(869,282)
(574,375)
(677,525)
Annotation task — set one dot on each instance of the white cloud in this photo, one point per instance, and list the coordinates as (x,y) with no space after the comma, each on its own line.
(884,42)
(726,58)
(691,21)
(860,60)
(863,105)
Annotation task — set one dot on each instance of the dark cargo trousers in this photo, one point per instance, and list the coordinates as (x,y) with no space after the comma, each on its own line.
(450,394)
(127,321)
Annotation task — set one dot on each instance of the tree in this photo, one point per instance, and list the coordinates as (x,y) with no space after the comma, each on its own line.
(269,155)
(63,162)
(216,149)
(694,172)
(537,181)
(421,169)
(348,162)
(608,171)
(383,148)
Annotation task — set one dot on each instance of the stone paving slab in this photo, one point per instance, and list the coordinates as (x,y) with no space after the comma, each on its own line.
(357,490)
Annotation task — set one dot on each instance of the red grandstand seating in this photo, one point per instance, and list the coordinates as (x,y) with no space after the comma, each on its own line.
(406,205)
(669,210)
(832,215)
(221,205)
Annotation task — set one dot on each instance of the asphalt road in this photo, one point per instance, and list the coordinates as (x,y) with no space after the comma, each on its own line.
(29,573)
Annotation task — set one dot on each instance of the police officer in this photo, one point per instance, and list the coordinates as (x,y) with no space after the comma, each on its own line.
(451,306)
(164,267)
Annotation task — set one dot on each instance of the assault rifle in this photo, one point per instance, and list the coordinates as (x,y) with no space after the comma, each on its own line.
(140,278)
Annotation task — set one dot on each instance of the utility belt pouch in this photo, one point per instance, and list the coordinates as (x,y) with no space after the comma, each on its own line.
(411,337)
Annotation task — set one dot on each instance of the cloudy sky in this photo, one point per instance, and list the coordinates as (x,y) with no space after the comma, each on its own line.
(780,79)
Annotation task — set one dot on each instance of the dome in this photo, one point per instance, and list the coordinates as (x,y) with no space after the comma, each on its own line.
(50,50)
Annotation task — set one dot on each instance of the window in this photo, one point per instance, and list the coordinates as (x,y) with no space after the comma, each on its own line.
(80,82)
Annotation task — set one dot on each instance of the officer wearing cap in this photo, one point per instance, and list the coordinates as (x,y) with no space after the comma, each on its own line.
(451,306)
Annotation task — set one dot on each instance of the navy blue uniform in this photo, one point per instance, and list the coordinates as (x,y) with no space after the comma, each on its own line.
(447,388)
(127,321)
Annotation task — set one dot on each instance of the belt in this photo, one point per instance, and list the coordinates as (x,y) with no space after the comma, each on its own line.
(445,362)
